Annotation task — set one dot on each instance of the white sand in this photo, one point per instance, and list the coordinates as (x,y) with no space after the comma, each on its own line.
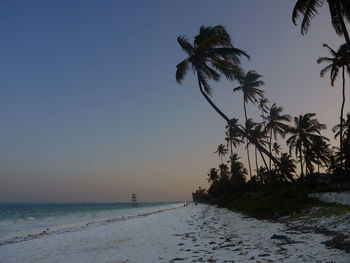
(188,234)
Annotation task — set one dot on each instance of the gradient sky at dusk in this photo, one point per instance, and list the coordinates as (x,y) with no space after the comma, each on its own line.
(90,109)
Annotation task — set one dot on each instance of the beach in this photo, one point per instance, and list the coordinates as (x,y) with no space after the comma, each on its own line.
(202,233)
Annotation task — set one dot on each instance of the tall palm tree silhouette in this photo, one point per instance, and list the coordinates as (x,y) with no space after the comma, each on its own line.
(249,126)
(238,172)
(339,9)
(233,137)
(210,53)
(276,124)
(263,107)
(276,148)
(288,162)
(320,152)
(249,87)
(306,129)
(259,133)
(213,175)
(340,60)
(221,151)
(346,127)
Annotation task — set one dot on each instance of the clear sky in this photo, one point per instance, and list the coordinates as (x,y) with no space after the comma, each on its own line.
(90,109)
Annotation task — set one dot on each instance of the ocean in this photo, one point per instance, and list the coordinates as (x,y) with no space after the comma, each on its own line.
(23,221)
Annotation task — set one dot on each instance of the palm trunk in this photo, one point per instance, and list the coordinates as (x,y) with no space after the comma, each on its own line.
(341,120)
(250,167)
(256,161)
(246,119)
(270,147)
(301,163)
(262,157)
(342,24)
(244,133)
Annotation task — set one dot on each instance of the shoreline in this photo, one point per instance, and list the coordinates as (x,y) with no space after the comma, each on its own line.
(202,233)
(73,227)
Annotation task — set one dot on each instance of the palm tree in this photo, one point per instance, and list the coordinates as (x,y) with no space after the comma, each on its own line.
(263,107)
(306,129)
(224,177)
(345,126)
(339,9)
(276,148)
(221,151)
(288,162)
(213,52)
(233,137)
(249,125)
(213,175)
(238,172)
(319,152)
(249,86)
(259,133)
(275,124)
(339,59)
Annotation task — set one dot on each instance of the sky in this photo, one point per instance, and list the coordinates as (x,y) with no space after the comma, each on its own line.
(90,110)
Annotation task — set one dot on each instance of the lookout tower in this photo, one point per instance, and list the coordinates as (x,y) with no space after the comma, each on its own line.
(133,200)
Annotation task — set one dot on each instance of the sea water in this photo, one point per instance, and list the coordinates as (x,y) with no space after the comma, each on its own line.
(20,222)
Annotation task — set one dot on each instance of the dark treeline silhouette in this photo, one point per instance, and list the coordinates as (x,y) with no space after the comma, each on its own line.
(212,54)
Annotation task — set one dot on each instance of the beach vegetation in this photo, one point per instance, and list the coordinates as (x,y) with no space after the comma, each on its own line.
(292,159)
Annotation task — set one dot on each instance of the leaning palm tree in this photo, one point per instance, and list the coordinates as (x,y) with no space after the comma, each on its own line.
(221,151)
(210,55)
(340,60)
(276,124)
(306,129)
(339,9)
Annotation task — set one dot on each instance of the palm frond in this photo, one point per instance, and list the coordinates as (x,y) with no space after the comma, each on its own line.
(181,70)
(185,45)
(204,81)
(307,8)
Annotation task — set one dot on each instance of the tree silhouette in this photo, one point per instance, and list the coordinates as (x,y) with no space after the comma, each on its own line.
(276,124)
(233,137)
(213,175)
(288,162)
(339,9)
(249,86)
(221,151)
(210,53)
(340,60)
(306,129)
